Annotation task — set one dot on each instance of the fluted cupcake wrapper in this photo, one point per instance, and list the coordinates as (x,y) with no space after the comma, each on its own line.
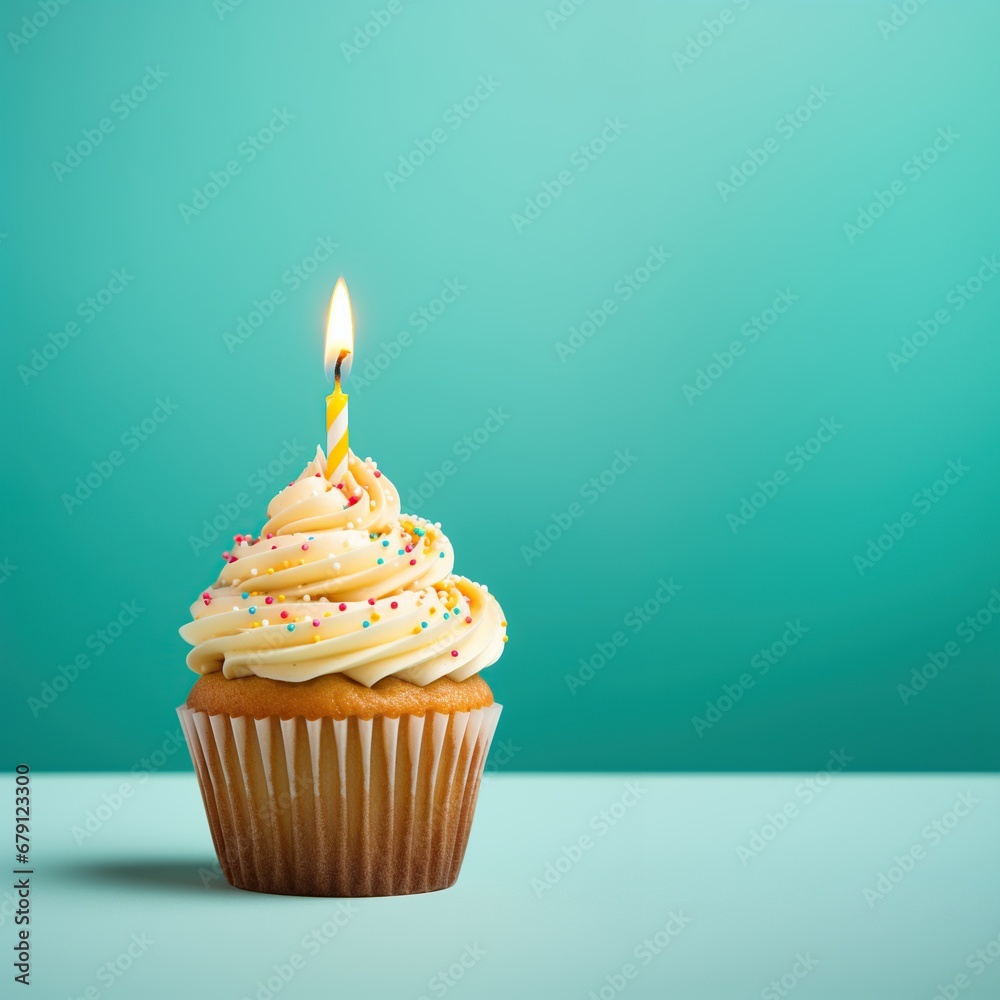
(323,807)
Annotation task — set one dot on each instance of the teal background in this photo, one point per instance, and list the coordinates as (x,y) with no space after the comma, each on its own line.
(495,347)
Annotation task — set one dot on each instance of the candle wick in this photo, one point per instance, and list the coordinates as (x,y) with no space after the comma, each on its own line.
(336,368)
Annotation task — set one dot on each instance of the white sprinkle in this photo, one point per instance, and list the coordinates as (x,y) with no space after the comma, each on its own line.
(336,565)
(253,572)
(236,607)
(306,597)
(265,622)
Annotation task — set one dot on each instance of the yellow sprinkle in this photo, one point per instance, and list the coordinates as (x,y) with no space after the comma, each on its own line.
(505,638)
(504,624)
(416,631)
(326,614)
(271,570)
(281,597)
(315,638)
(433,610)
(285,562)
(374,616)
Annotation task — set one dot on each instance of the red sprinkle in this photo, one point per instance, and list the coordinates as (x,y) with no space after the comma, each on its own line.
(409,548)
(269,600)
(343,607)
(378,475)
(273,547)
(371,600)
(284,614)
(270,535)
(305,546)
(454,652)
(315,623)
(232,559)
(468,621)
(394,605)
(351,501)
(413,562)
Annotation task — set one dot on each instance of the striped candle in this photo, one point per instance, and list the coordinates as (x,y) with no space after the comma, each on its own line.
(337,357)
(336,434)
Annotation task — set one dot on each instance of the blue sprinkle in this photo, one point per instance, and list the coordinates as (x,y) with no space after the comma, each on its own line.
(291,628)
(446,614)
(365,624)
(419,531)
(244,595)
(400,552)
(423,624)
(441,555)
(381,561)
(385,541)
(252,611)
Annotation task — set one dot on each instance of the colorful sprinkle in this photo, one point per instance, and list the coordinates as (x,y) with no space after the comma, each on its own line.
(385,542)
(365,624)
(381,562)
(418,531)
(378,475)
(413,562)
(454,652)
(269,600)
(284,614)
(343,607)
(315,623)
(245,594)
(441,555)
(423,624)
(305,546)
(281,597)
(394,605)
(468,621)
(252,611)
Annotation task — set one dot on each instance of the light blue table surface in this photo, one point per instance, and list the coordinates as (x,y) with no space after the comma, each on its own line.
(671,896)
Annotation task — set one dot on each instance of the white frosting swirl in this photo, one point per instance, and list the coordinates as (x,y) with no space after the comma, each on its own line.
(340,582)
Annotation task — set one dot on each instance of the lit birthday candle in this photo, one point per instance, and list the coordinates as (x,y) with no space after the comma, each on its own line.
(337,360)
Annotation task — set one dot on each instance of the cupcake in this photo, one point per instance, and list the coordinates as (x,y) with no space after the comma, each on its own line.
(339,726)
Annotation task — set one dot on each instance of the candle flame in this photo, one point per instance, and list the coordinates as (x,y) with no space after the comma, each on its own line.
(339,330)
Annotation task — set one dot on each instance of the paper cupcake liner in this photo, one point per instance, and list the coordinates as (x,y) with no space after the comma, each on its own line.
(359,807)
